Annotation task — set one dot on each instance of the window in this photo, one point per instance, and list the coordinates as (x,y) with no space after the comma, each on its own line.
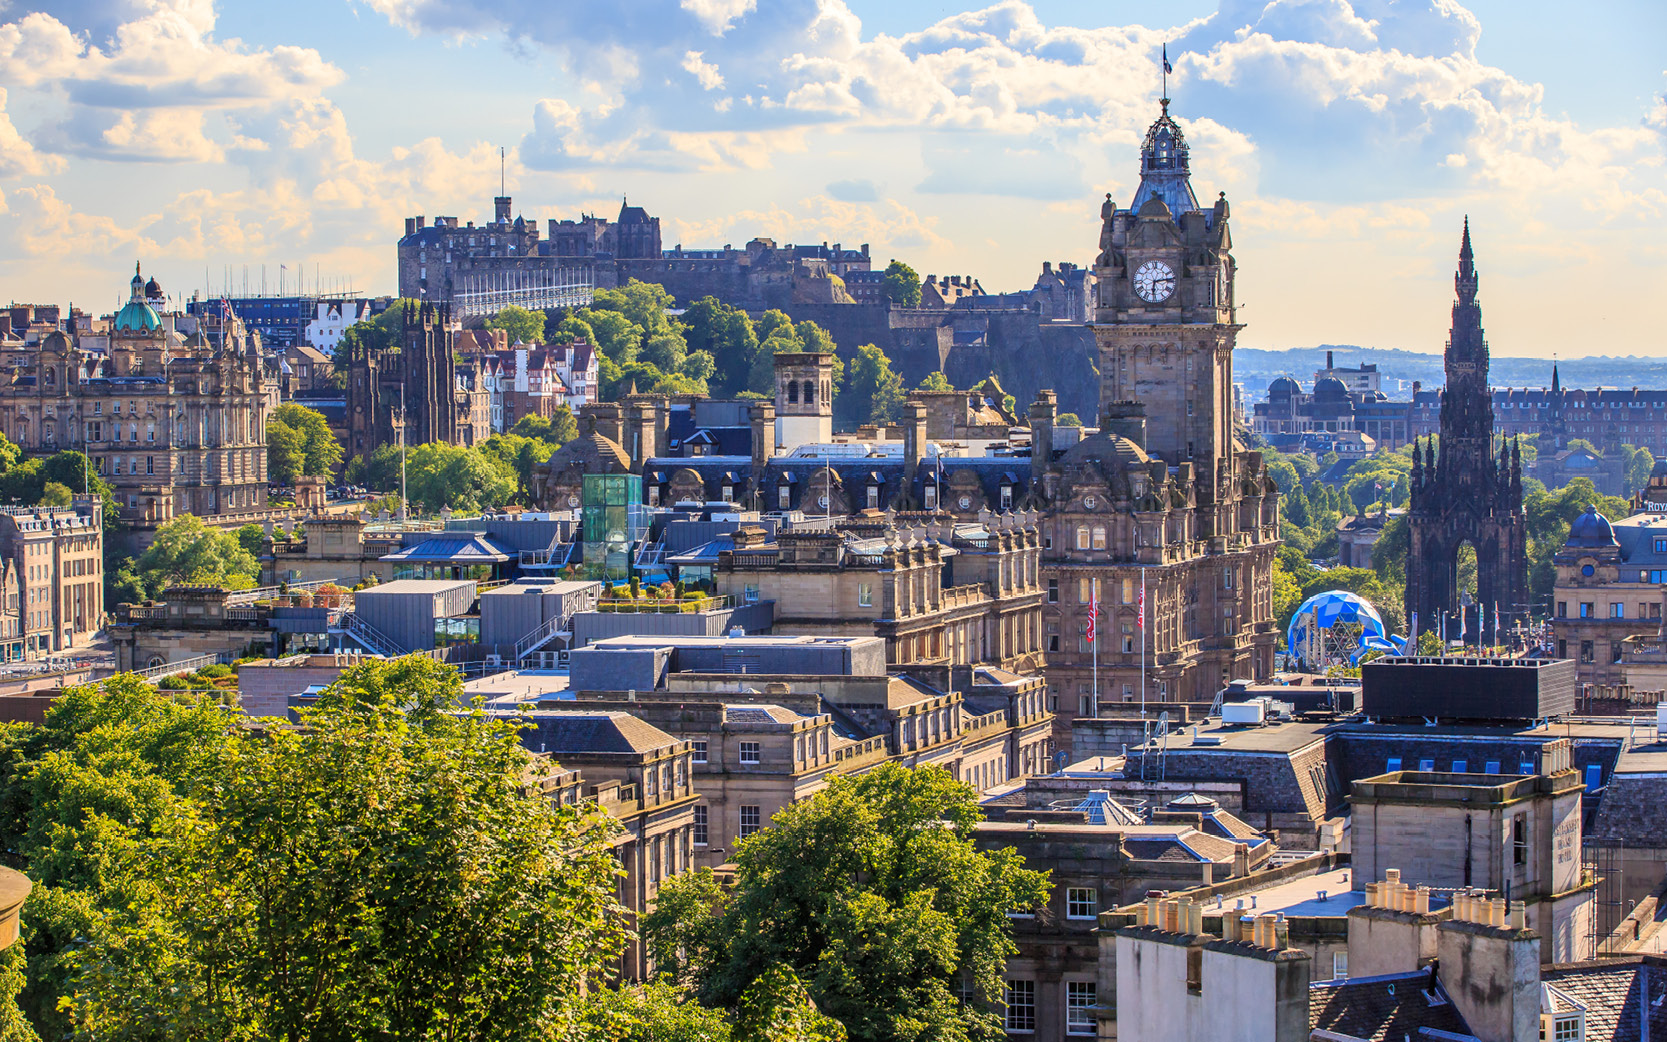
(1586,610)
(1519,840)
(1394,764)
(700,826)
(1227,578)
(1006,497)
(1021,1006)
(1459,766)
(930,497)
(865,595)
(1586,654)
(1053,591)
(1566,1029)
(1594,777)
(1426,765)
(1617,610)
(1079,1007)
(1339,965)
(1099,537)
(749,752)
(749,819)
(1085,591)
(784,497)
(873,497)
(1081,902)
(1082,537)
(699,745)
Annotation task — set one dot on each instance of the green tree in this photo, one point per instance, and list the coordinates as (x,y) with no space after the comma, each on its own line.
(726,333)
(698,366)
(54,494)
(873,393)
(572,327)
(683,931)
(936,381)
(384,871)
(875,894)
(654,1011)
(558,429)
(1067,419)
(250,537)
(304,442)
(614,335)
(377,333)
(521,325)
(778,1008)
(185,549)
(523,456)
(901,285)
(468,480)
(1639,463)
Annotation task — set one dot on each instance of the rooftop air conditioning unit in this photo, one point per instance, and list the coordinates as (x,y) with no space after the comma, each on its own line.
(1253,712)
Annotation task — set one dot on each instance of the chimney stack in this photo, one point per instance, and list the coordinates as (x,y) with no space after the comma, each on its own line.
(1043,412)
(1490,969)
(914,440)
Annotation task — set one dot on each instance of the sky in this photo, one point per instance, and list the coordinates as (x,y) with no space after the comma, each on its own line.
(1351,138)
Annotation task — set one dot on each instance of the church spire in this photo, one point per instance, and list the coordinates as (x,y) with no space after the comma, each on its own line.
(1464,280)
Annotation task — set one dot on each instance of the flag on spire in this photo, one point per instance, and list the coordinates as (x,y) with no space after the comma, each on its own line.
(1167,68)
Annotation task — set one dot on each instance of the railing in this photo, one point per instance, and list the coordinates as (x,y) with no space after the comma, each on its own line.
(267,593)
(667,607)
(369,637)
(243,613)
(184,665)
(555,555)
(539,637)
(490,584)
(652,555)
(963,596)
(146,612)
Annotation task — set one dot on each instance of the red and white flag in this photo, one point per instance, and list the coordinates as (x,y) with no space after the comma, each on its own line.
(1140,613)
(1093,607)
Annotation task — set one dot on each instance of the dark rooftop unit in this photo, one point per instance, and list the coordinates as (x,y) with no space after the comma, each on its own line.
(1483,689)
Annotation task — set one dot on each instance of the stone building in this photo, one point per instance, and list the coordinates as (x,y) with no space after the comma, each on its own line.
(1162,512)
(52,584)
(175,422)
(643,778)
(1465,493)
(1608,589)
(1519,836)
(424,388)
(936,592)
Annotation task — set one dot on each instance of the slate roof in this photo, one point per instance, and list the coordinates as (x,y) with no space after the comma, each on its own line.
(1612,992)
(765,713)
(458,547)
(562,731)
(1383,1009)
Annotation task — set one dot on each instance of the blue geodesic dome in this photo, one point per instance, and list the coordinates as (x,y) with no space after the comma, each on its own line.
(1311,627)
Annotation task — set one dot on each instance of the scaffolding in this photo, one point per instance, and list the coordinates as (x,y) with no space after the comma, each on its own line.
(536,289)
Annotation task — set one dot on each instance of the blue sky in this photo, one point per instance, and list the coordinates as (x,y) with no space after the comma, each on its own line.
(1351,137)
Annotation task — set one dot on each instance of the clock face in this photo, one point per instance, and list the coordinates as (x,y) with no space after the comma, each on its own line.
(965,502)
(1154,281)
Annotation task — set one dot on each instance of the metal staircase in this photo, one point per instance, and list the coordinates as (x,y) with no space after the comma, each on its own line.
(368,637)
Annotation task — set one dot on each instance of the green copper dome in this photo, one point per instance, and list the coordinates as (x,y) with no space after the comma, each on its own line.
(139,316)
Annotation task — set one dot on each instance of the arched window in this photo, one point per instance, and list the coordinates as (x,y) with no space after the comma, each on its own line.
(51,377)
(793,391)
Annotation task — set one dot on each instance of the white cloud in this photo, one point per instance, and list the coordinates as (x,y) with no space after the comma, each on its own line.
(718,15)
(704,72)
(18,157)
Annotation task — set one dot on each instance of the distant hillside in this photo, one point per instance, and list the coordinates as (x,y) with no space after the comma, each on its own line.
(1255,368)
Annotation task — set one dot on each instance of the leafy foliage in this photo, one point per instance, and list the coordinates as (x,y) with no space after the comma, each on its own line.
(521,326)
(187,550)
(936,381)
(385,871)
(299,441)
(873,392)
(901,285)
(377,333)
(874,895)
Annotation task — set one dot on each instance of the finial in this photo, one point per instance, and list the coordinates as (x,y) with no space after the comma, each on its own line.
(1165,103)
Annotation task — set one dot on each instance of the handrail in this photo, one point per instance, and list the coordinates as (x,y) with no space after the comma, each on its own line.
(540,636)
(262,593)
(184,665)
(372,638)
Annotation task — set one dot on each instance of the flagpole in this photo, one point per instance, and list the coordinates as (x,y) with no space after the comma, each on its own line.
(1094,644)
(1142,621)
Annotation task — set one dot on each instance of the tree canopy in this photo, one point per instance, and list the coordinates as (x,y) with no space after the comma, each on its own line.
(873,392)
(521,325)
(873,894)
(389,870)
(299,441)
(901,285)
(936,381)
(187,550)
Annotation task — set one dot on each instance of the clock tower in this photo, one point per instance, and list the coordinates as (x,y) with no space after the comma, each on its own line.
(1165,325)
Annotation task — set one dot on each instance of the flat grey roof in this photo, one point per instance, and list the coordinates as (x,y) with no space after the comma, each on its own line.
(632,641)
(409,586)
